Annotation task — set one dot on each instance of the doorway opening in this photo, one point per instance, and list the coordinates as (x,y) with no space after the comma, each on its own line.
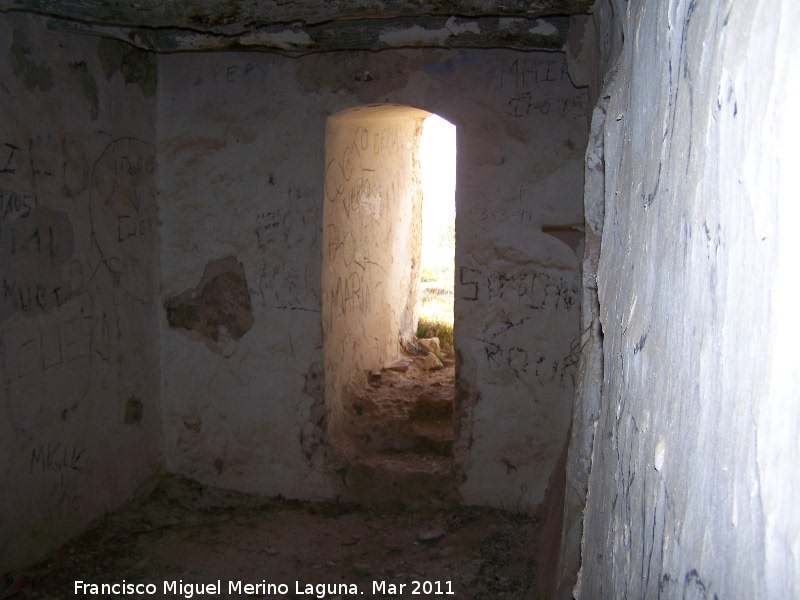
(388,394)
(437,156)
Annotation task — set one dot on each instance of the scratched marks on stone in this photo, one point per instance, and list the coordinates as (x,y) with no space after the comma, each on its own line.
(33,249)
(517,287)
(501,352)
(36,242)
(124,214)
(506,349)
(47,363)
(529,83)
(59,319)
(58,462)
(691,587)
(363,194)
(349,181)
(524,302)
(288,276)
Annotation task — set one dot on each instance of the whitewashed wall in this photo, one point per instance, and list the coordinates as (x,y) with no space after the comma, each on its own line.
(79,358)
(241,155)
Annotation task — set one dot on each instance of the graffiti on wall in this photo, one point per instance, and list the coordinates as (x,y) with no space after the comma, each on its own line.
(58,462)
(524,297)
(527,83)
(76,239)
(518,286)
(123,215)
(288,272)
(364,197)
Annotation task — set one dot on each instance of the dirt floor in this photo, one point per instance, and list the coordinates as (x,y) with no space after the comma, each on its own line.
(192,535)
(403,535)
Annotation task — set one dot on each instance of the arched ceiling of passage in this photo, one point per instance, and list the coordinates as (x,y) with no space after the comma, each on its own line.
(296,27)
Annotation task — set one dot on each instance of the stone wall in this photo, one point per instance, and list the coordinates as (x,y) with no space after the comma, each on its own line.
(594,45)
(79,359)
(242,163)
(692,491)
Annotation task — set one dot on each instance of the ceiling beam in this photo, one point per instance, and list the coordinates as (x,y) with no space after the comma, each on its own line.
(297,40)
(236,17)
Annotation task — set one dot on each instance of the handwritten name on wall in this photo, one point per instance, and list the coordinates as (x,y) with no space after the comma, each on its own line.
(522,303)
(530,88)
(285,237)
(58,463)
(124,214)
(364,181)
(74,233)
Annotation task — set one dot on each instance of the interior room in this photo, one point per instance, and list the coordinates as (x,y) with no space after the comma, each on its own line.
(216,363)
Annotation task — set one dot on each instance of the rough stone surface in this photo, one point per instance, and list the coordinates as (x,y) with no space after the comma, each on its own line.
(409,412)
(79,358)
(693,484)
(430,345)
(561,545)
(298,28)
(591,62)
(431,362)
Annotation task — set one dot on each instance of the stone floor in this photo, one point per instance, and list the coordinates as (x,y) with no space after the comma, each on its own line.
(191,535)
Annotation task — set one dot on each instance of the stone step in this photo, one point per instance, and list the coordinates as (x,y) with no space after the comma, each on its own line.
(401,481)
(422,437)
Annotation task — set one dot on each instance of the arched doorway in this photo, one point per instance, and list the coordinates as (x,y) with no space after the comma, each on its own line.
(371,267)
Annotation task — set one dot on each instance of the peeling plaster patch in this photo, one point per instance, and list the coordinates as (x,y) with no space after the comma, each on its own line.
(33,75)
(198,42)
(134,410)
(457,29)
(111,53)
(193,422)
(414,36)
(372,206)
(88,84)
(219,309)
(136,66)
(313,431)
(285,40)
(543,28)
(571,235)
(417,36)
